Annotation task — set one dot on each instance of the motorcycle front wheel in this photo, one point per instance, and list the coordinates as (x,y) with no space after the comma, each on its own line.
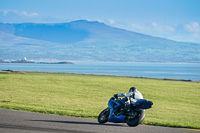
(136,120)
(103,116)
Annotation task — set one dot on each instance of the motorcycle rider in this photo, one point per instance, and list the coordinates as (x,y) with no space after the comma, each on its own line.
(131,98)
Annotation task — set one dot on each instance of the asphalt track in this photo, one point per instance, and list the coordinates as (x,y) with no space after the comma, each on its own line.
(27,122)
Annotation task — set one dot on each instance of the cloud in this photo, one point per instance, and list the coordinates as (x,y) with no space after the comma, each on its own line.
(162,28)
(153,28)
(30,14)
(193,30)
(14,16)
(111,21)
(6,12)
(193,27)
(19,13)
(187,32)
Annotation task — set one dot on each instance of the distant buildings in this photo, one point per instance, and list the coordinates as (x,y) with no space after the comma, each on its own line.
(28,61)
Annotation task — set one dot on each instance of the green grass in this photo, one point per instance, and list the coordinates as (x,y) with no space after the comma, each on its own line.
(176,103)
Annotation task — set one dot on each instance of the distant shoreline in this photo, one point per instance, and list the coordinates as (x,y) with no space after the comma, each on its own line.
(23,72)
(27,61)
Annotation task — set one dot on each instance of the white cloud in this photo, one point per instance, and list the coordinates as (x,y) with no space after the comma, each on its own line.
(6,12)
(118,24)
(20,13)
(153,28)
(193,27)
(173,32)
(162,28)
(30,14)
(111,21)
(15,16)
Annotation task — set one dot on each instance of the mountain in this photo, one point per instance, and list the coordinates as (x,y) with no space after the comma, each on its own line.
(90,41)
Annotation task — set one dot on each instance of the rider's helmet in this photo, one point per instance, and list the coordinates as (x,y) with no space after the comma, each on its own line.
(133,89)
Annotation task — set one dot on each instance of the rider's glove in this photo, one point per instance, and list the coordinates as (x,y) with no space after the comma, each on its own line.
(116,96)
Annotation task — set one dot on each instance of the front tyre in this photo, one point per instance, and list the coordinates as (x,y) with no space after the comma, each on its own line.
(103,116)
(136,120)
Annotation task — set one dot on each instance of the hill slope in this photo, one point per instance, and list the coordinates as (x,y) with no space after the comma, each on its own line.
(93,41)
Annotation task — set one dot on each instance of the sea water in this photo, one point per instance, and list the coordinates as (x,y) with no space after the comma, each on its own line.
(186,71)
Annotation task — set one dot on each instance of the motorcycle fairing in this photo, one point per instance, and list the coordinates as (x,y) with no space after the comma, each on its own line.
(112,117)
(117,119)
(143,104)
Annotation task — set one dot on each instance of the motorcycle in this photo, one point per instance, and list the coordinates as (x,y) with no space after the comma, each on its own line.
(118,111)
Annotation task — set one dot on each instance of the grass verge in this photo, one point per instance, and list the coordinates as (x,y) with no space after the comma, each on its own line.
(176,103)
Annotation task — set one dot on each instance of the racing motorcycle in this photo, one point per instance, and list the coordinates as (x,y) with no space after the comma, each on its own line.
(118,112)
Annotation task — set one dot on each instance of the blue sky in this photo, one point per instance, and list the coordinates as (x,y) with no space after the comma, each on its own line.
(172,19)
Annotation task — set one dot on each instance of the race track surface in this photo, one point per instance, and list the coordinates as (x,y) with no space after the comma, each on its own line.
(27,122)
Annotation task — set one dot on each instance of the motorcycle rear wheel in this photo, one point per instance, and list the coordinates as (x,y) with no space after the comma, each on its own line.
(136,120)
(103,116)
